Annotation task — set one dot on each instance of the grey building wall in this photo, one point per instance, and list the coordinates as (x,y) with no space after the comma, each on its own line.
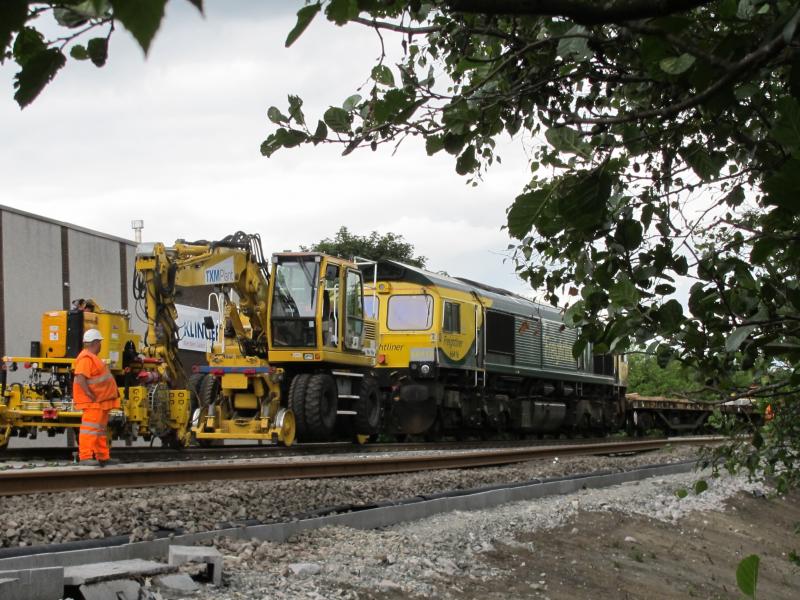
(45,264)
(32,282)
(94,269)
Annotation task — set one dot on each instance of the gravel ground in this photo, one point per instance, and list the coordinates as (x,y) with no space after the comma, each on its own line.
(483,554)
(139,512)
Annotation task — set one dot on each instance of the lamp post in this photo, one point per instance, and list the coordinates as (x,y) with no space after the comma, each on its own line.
(137,226)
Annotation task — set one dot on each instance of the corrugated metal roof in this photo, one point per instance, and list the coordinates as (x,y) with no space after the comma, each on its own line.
(72,226)
(502,300)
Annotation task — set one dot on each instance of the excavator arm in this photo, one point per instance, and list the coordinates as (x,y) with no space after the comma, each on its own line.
(239,394)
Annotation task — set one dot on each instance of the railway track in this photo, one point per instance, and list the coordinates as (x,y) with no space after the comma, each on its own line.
(128,454)
(26,481)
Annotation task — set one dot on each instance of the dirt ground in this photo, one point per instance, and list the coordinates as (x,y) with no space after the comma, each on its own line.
(697,558)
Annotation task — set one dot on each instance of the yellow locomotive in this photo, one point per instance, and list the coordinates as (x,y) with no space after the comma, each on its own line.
(458,356)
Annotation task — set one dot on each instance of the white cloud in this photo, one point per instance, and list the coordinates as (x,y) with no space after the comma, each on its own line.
(174,140)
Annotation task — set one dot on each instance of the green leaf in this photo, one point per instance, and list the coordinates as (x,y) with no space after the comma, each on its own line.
(566,139)
(98,51)
(574,47)
(453,143)
(295,109)
(321,133)
(700,486)
(36,73)
(383,75)
(276,116)
(681,493)
(747,575)
(786,129)
(705,164)
(304,17)
(573,316)
(29,43)
(675,65)
(524,212)
(433,144)
(337,119)
(582,201)
(351,102)
(12,18)
(629,234)
(623,293)
(467,163)
(738,336)
(79,52)
(282,138)
(783,187)
(141,18)
(342,11)
(763,250)
(670,316)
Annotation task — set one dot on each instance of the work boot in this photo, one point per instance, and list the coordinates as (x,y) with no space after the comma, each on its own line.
(108,462)
(89,462)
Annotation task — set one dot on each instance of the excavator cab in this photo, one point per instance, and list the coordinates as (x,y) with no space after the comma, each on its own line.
(320,336)
(317,311)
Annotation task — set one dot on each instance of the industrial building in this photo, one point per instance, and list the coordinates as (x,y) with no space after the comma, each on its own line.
(45,264)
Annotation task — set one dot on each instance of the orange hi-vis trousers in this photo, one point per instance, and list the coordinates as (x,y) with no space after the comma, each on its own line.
(92,442)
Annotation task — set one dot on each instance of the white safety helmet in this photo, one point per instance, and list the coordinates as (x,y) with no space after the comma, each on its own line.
(92,335)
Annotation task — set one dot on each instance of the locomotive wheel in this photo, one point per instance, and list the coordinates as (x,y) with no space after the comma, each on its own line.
(321,402)
(296,403)
(207,393)
(368,408)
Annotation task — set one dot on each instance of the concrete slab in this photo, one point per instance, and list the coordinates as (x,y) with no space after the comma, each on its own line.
(179,555)
(176,584)
(118,589)
(32,584)
(118,569)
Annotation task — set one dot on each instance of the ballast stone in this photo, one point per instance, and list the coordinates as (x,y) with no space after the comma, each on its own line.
(179,555)
(176,583)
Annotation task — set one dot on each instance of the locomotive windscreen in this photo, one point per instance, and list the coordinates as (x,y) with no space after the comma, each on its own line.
(499,332)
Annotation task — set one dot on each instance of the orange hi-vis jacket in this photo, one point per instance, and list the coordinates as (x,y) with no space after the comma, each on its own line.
(101,383)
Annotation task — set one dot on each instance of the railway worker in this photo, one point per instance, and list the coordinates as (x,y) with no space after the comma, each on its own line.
(95,392)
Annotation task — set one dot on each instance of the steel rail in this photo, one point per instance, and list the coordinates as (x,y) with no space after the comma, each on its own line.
(16,482)
(147,453)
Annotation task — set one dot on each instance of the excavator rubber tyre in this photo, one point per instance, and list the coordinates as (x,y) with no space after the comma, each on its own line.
(321,401)
(195,379)
(368,408)
(207,393)
(296,403)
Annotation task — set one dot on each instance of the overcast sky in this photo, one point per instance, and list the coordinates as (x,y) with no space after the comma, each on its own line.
(174,140)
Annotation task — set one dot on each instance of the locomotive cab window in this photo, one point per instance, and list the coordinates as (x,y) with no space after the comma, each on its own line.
(451,317)
(371,306)
(410,312)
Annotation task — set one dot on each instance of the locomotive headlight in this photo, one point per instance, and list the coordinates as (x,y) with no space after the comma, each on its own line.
(425,369)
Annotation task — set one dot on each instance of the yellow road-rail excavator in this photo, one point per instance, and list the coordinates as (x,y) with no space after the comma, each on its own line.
(154,396)
(292,354)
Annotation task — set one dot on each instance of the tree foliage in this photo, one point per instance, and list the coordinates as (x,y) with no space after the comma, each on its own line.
(85,27)
(665,165)
(665,157)
(374,246)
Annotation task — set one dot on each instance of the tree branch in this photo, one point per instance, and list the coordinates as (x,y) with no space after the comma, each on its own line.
(587,12)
